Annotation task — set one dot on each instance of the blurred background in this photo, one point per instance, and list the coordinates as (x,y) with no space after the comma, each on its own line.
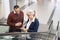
(46,11)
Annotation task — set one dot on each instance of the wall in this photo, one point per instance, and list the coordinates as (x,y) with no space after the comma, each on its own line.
(1,9)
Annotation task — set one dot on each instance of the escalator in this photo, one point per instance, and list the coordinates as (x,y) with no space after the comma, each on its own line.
(5,35)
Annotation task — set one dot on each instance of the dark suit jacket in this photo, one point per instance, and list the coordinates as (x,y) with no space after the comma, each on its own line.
(34,26)
(13,19)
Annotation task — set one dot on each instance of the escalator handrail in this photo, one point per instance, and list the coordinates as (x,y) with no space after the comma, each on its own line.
(18,33)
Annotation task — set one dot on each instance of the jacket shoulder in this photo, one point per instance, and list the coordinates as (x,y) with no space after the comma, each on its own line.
(11,14)
(36,20)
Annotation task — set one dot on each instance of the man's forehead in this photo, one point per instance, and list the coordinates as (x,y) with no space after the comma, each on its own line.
(16,8)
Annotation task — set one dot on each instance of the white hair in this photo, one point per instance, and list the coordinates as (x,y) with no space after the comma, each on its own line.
(32,12)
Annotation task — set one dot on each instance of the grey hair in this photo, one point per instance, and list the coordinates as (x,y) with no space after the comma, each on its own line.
(33,12)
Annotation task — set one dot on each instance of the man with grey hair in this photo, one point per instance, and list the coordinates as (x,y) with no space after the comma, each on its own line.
(32,23)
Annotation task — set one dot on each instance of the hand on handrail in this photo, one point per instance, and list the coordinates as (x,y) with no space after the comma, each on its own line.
(23,29)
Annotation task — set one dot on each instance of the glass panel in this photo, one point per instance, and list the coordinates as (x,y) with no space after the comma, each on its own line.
(6,29)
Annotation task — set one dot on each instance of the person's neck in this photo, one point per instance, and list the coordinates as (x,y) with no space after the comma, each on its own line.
(30,19)
(17,12)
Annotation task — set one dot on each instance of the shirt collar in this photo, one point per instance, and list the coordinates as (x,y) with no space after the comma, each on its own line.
(33,19)
(14,12)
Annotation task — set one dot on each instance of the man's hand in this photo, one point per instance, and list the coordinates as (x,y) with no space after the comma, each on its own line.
(18,24)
